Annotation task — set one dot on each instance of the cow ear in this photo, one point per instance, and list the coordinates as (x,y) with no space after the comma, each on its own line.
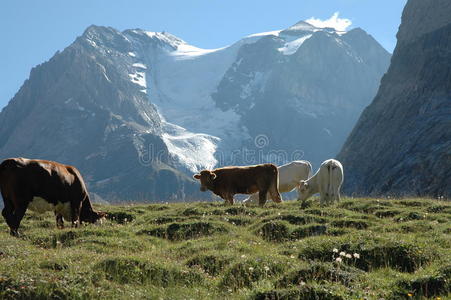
(212,176)
(196,176)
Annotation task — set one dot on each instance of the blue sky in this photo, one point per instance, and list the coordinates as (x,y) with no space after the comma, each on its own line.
(32,31)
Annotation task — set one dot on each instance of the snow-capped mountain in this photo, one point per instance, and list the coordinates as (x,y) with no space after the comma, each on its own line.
(139,111)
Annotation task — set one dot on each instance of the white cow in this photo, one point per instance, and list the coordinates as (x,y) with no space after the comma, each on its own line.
(290,175)
(326,181)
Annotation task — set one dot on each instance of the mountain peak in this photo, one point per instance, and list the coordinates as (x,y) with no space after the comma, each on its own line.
(300,26)
(303,27)
(163,38)
(95,30)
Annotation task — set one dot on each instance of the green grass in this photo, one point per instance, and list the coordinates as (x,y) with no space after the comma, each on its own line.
(212,251)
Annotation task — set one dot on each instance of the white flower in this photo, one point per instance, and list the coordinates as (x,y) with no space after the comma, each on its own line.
(338,259)
(356,255)
(251,269)
(348,255)
(302,283)
(243,256)
(342,253)
(266,268)
(292,256)
(335,250)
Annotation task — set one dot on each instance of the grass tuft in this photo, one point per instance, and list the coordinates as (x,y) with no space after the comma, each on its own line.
(183,231)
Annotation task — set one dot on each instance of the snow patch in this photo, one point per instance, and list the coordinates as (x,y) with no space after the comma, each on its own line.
(184,89)
(185,51)
(139,78)
(131,54)
(329,133)
(92,43)
(291,47)
(274,33)
(303,26)
(256,83)
(194,150)
(79,107)
(102,68)
(139,65)
(166,38)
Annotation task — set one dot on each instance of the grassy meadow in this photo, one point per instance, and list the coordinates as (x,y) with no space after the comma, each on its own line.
(357,249)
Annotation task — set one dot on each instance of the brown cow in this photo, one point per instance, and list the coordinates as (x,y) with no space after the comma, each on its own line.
(228,181)
(42,185)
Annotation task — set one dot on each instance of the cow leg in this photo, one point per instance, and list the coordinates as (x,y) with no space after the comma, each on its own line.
(322,199)
(229,200)
(16,219)
(59,221)
(262,197)
(338,198)
(8,215)
(8,210)
(75,215)
(298,190)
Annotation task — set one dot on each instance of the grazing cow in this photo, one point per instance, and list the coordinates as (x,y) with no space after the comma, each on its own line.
(228,181)
(290,175)
(326,181)
(42,185)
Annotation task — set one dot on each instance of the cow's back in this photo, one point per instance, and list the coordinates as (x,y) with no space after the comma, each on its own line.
(294,171)
(49,180)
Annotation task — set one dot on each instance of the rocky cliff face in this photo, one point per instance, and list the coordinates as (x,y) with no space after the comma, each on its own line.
(401,144)
(137,112)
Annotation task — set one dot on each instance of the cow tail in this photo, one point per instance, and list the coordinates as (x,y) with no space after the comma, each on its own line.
(330,184)
(333,177)
(274,187)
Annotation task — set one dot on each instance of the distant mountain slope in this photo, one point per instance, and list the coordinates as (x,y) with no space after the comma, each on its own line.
(303,88)
(81,108)
(402,142)
(137,111)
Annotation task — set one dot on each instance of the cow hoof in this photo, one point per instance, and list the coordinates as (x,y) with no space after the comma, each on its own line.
(14,233)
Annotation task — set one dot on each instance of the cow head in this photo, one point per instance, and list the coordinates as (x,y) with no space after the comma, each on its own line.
(206,178)
(304,188)
(93,217)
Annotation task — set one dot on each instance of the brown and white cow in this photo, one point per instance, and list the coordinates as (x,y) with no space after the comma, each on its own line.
(228,181)
(42,185)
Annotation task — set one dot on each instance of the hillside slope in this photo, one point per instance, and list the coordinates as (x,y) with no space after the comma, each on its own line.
(401,144)
(392,249)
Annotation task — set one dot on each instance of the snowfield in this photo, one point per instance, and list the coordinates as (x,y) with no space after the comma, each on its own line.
(179,80)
